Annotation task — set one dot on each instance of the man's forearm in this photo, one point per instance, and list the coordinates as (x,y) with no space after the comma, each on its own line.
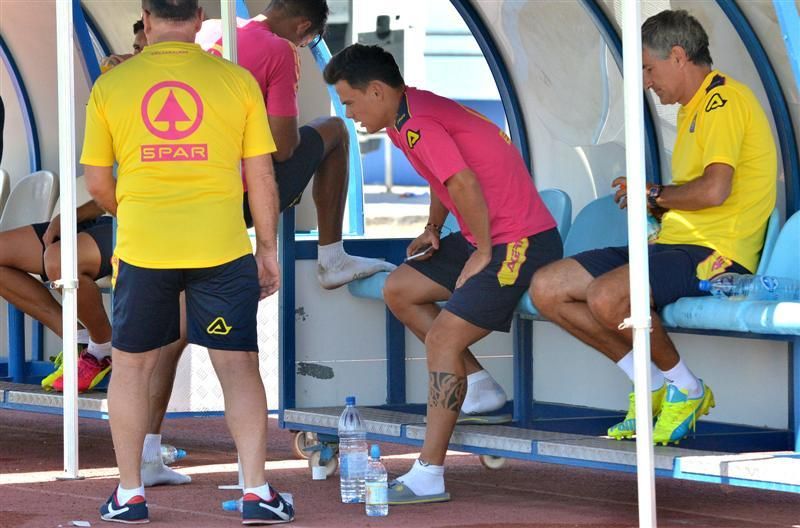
(438,212)
(709,190)
(471,205)
(88,211)
(102,187)
(262,195)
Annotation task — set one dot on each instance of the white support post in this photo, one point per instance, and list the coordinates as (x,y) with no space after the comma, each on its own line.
(228,9)
(69,279)
(639,273)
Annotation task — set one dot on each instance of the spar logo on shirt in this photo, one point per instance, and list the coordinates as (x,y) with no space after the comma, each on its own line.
(172,111)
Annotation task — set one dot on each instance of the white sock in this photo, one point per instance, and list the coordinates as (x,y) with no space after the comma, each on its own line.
(151,451)
(484,394)
(261,491)
(124,495)
(656,376)
(83,336)
(99,350)
(682,377)
(424,480)
(332,255)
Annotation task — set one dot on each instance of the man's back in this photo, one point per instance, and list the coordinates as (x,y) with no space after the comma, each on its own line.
(272,60)
(179,144)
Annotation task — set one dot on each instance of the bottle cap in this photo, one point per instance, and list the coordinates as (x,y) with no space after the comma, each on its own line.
(350,400)
(375,451)
(319,473)
(705,285)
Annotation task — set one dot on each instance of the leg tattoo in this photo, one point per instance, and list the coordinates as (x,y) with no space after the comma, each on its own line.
(446,390)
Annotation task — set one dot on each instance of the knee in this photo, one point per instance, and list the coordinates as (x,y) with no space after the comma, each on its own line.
(605,304)
(393,293)
(544,290)
(338,124)
(52,262)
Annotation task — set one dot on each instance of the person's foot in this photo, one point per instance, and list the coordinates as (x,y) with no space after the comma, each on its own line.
(276,510)
(679,414)
(91,371)
(484,394)
(400,493)
(350,268)
(132,512)
(156,473)
(627,427)
(47,381)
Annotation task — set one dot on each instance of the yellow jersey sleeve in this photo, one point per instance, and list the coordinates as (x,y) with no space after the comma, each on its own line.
(98,146)
(723,127)
(257,139)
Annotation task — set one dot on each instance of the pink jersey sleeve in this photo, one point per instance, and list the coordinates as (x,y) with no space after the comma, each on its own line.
(429,142)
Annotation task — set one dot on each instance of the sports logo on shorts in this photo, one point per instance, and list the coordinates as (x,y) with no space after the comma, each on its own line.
(219,327)
(516,255)
(713,265)
(412,136)
(166,107)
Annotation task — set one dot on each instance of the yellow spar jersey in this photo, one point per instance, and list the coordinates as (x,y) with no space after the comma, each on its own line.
(178,121)
(724,123)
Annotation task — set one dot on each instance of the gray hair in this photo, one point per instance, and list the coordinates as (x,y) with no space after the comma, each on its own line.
(676,28)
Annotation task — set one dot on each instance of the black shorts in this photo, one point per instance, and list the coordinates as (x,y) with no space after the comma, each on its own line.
(102,232)
(294,174)
(221,306)
(675,269)
(489,298)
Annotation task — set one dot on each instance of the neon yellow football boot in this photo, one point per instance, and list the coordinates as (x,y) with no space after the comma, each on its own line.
(47,382)
(627,427)
(679,414)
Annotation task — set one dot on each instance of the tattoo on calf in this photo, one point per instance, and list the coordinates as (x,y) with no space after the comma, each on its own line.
(446,390)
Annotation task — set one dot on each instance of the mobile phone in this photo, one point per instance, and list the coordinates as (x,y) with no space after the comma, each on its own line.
(421,253)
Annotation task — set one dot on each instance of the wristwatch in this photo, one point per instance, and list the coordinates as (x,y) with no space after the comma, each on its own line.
(652,195)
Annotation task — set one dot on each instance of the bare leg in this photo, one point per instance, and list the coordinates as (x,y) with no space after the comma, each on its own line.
(412,298)
(444,345)
(245,410)
(91,311)
(560,292)
(128,394)
(330,182)
(164,375)
(20,254)
(609,302)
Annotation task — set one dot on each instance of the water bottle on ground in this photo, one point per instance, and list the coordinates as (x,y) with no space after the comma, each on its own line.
(737,286)
(376,483)
(352,453)
(171,454)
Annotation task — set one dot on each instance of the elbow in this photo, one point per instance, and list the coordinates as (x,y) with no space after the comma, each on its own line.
(718,196)
(95,188)
(286,149)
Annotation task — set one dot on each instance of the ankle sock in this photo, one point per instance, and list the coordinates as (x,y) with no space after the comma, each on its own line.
(151,450)
(99,350)
(656,376)
(684,379)
(262,491)
(331,255)
(424,479)
(484,394)
(124,495)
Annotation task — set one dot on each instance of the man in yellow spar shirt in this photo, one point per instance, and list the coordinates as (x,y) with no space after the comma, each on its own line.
(715,214)
(179,121)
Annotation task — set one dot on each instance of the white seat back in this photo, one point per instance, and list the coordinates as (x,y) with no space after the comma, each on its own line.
(5,188)
(82,196)
(31,201)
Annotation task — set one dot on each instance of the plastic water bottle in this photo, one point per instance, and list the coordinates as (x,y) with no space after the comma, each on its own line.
(352,453)
(737,286)
(171,454)
(653,228)
(377,489)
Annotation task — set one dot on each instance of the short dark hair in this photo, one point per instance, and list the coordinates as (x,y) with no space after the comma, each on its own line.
(359,65)
(174,10)
(316,11)
(138,26)
(676,28)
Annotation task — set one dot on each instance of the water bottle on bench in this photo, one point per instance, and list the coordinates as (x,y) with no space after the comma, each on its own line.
(736,286)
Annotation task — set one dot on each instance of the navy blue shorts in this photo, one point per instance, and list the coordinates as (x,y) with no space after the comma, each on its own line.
(294,174)
(675,269)
(489,298)
(221,306)
(102,232)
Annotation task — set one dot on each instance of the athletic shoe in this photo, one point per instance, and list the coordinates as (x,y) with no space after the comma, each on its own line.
(276,510)
(132,512)
(91,371)
(679,414)
(47,382)
(399,493)
(627,427)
